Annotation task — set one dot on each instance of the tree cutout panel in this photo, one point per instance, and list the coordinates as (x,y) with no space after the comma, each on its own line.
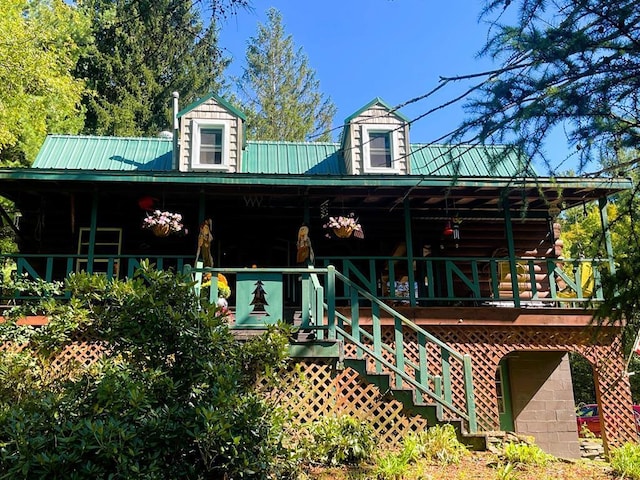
(259,299)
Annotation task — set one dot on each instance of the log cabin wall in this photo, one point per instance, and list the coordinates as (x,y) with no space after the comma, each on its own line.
(487,239)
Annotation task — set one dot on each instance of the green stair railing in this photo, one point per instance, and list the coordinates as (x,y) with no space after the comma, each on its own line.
(393,355)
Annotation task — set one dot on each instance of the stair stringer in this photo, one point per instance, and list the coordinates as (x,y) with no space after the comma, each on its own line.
(407,397)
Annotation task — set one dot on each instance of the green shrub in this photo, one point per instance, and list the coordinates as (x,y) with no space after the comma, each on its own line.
(391,466)
(439,444)
(525,454)
(625,461)
(340,441)
(173,396)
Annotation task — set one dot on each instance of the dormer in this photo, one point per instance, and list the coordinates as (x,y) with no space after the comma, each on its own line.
(376,141)
(211,136)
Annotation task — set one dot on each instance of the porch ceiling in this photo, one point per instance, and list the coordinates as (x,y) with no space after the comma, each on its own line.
(430,195)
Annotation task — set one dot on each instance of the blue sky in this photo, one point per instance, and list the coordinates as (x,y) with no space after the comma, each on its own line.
(362,49)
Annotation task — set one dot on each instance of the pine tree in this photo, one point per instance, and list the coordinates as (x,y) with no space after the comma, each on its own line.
(279,91)
(565,66)
(143,52)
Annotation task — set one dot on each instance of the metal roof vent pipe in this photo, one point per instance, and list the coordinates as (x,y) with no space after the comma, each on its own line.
(176,144)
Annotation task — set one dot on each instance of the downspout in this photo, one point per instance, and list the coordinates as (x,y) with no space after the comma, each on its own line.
(175,154)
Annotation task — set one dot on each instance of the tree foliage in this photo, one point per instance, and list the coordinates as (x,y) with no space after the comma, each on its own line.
(279,91)
(40,42)
(570,67)
(564,65)
(143,52)
(159,404)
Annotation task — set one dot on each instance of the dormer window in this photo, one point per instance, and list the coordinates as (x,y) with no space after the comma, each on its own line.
(379,148)
(210,144)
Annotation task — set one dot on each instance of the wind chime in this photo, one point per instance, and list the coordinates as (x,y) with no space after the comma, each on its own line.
(452,226)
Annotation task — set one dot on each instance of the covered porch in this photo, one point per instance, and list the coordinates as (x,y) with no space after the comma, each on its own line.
(427,242)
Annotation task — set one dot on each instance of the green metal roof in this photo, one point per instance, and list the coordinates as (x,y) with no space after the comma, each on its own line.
(218,99)
(290,158)
(469,161)
(71,152)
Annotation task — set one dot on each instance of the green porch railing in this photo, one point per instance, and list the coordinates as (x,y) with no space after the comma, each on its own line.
(474,281)
(318,312)
(431,281)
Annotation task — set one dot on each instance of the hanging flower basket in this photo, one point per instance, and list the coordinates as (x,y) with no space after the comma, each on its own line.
(343,232)
(162,223)
(161,230)
(345,226)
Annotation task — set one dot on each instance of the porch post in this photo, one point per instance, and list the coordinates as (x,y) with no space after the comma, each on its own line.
(306,218)
(409,243)
(512,250)
(606,233)
(201,207)
(92,232)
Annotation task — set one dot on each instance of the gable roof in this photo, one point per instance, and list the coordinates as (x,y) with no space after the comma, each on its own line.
(376,101)
(219,100)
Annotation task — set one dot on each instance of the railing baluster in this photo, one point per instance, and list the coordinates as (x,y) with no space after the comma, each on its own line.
(469,394)
(355,321)
(446,374)
(377,339)
(331,302)
(422,375)
(399,349)
(437,389)
(319,311)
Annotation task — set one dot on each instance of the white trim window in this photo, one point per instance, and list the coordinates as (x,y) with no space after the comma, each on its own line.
(380,148)
(210,144)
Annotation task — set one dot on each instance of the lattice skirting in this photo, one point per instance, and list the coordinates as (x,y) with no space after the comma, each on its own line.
(488,345)
(316,388)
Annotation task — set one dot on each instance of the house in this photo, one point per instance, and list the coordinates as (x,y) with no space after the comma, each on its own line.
(454,303)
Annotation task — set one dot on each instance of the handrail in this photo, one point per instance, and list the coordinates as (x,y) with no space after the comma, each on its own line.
(50,267)
(318,313)
(420,380)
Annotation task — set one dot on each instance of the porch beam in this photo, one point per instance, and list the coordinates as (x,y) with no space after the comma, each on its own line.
(409,242)
(512,251)
(93,227)
(606,232)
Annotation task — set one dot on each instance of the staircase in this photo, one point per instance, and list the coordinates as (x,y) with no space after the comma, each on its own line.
(412,366)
